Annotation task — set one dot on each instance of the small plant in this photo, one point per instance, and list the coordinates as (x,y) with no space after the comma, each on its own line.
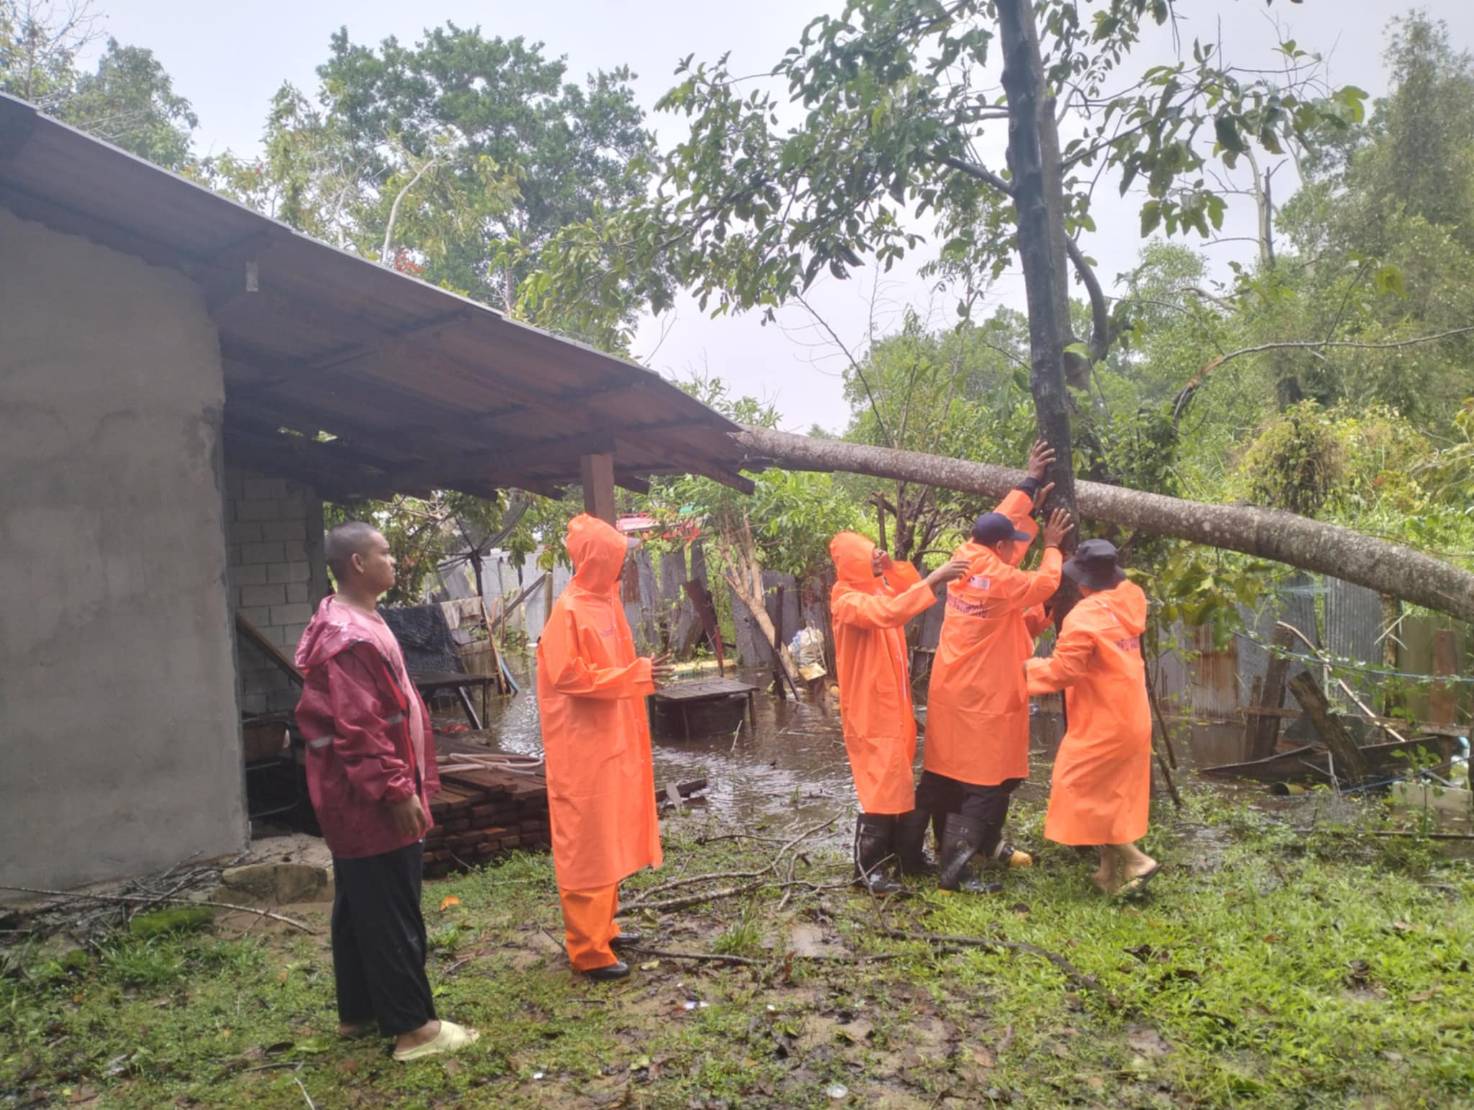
(150,963)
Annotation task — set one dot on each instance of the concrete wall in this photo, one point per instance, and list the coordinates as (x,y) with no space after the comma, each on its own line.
(119,728)
(277,575)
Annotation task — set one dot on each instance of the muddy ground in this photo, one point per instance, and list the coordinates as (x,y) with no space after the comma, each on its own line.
(1286,957)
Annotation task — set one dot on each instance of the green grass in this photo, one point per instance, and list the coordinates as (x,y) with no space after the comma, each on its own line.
(1268,968)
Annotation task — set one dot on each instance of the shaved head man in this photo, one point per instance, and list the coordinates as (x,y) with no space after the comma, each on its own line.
(371,773)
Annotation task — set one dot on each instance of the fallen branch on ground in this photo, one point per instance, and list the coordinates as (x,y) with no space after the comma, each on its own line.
(718,957)
(731,892)
(762,876)
(130,900)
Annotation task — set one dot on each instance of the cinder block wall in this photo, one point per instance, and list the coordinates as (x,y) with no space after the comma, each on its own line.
(276,574)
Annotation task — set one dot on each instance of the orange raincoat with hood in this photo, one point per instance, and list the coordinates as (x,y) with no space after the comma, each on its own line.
(596,737)
(1103,772)
(977,711)
(869,613)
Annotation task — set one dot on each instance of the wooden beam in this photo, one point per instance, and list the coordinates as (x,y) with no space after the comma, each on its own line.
(1348,765)
(1442,699)
(596,474)
(1266,728)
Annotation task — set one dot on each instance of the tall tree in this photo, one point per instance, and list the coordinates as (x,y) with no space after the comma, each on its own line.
(483,110)
(898,114)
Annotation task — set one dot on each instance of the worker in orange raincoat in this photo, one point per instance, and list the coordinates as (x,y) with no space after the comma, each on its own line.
(977,717)
(873,598)
(1102,775)
(591,692)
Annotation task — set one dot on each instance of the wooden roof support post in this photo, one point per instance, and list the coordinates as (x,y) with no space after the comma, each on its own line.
(596,473)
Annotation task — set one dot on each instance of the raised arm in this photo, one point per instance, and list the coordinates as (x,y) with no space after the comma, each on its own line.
(882,610)
(1071,657)
(889,610)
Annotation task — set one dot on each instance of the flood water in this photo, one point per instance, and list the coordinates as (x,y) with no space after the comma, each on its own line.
(792,761)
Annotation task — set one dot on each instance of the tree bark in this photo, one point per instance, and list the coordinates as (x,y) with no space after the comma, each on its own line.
(1040,237)
(1388,568)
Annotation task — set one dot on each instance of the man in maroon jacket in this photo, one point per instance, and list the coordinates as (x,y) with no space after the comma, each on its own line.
(371,773)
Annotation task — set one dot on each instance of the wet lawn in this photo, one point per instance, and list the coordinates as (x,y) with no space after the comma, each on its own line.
(1267,966)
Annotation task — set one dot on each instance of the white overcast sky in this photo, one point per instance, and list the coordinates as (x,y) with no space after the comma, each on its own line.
(228,59)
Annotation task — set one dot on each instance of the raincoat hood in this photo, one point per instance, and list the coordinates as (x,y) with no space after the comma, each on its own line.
(333,630)
(597,550)
(852,553)
(1127,604)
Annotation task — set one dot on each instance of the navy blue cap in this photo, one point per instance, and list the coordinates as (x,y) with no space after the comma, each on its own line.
(993,527)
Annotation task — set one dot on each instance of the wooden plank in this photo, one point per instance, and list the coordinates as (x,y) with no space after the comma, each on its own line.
(257,637)
(1266,731)
(1442,701)
(1349,765)
(596,474)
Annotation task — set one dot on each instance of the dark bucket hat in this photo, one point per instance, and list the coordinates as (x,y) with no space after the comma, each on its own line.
(1094,565)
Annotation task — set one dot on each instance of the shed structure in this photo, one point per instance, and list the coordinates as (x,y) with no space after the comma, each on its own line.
(182,383)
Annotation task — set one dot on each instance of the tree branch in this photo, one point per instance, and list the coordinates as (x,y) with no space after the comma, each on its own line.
(1184,395)
(981,173)
(1100,317)
(1313,545)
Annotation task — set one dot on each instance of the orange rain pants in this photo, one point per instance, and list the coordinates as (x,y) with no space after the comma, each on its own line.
(596,738)
(875,710)
(589,928)
(977,711)
(1103,772)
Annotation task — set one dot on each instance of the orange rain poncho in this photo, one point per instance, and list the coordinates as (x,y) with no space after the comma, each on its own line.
(596,737)
(1103,772)
(874,681)
(977,713)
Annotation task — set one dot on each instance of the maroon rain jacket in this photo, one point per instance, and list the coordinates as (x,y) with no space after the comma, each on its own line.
(354,717)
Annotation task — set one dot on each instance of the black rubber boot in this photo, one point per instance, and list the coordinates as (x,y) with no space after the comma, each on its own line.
(960,842)
(911,843)
(875,835)
(617,970)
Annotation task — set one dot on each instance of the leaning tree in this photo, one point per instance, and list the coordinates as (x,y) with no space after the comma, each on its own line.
(901,106)
(892,124)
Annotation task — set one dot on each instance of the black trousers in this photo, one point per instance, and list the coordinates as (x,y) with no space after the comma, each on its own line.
(987,805)
(379,941)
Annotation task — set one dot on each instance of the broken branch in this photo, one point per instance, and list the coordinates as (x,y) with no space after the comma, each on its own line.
(155,899)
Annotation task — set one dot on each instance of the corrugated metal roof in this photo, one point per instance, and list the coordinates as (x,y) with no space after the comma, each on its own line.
(354,376)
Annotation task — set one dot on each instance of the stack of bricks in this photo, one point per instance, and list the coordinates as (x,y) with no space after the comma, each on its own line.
(276,574)
(480,814)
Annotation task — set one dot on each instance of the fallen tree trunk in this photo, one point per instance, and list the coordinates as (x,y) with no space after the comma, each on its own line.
(1388,568)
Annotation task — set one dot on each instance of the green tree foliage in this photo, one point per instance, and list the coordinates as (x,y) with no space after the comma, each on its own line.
(457,159)
(1384,239)
(893,98)
(961,393)
(127,100)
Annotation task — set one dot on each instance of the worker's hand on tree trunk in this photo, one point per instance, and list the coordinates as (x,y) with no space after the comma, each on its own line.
(409,817)
(1042,496)
(1041,457)
(1057,527)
